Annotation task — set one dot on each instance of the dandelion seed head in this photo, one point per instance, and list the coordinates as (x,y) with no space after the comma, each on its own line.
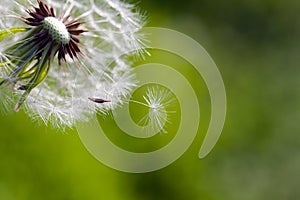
(57,29)
(107,30)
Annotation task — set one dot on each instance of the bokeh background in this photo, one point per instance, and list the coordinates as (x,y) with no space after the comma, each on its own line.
(256,45)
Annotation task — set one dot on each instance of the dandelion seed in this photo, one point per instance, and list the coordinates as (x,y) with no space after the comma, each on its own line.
(56,55)
(157,100)
(97,100)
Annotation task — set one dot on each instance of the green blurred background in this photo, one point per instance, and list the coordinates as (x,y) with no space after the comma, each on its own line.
(256,45)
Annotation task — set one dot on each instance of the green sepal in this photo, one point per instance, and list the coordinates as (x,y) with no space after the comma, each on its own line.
(8,32)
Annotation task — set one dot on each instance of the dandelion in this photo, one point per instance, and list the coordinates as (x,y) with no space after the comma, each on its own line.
(56,57)
(32,56)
